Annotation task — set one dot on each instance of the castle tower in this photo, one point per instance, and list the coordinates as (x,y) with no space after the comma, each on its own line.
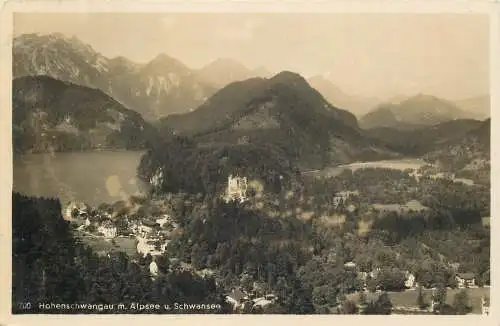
(236,188)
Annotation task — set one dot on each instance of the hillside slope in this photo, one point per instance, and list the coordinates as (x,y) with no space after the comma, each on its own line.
(51,115)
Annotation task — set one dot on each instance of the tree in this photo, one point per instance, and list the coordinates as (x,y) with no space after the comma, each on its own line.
(198,256)
(382,306)
(461,303)
(371,284)
(421,299)
(391,279)
(486,277)
(439,297)
(349,308)
(163,262)
(122,226)
(323,298)
(362,298)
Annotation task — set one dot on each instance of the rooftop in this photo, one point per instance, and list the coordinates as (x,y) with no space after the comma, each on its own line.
(466,276)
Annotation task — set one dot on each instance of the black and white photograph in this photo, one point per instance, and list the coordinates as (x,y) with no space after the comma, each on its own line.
(279,163)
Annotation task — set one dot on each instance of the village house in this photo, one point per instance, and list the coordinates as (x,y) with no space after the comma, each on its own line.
(410,280)
(108,229)
(264,301)
(75,209)
(237,298)
(146,228)
(147,246)
(465,280)
(153,269)
(236,189)
(163,220)
(342,196)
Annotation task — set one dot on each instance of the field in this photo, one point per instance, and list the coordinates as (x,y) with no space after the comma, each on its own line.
(409,298)
(99,244)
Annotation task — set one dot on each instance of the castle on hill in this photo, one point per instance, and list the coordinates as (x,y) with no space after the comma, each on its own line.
(236,189)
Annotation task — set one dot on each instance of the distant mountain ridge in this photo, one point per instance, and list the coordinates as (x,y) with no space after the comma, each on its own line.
(356,104)
(155,89)
(419,141)
(417,111)
(51,115)
(224,71)
(479,106)
(283,110)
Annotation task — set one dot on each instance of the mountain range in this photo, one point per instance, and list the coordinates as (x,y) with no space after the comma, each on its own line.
(358,105)
(155,89)
(224,71)
(479,105)
(416,111)
(166,86)
(51,115)
(62,84)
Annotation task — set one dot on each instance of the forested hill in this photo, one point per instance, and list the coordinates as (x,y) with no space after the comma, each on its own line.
(472,151)
(284,111)
(425,139)
(51,115)
(182,165)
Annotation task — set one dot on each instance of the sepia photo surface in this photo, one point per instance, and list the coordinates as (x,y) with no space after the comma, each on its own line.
(251,163)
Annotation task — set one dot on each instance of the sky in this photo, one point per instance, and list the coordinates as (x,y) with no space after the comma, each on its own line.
(374,55)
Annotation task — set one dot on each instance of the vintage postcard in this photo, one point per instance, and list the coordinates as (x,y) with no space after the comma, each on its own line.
(180,161)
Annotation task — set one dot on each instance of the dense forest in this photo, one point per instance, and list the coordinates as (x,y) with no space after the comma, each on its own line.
(51,266)
(297,246)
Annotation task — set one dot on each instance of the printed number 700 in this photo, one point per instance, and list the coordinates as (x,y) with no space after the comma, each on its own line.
(25,305)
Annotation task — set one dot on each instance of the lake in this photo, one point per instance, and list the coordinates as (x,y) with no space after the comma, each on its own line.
(91,177)
(396,164)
